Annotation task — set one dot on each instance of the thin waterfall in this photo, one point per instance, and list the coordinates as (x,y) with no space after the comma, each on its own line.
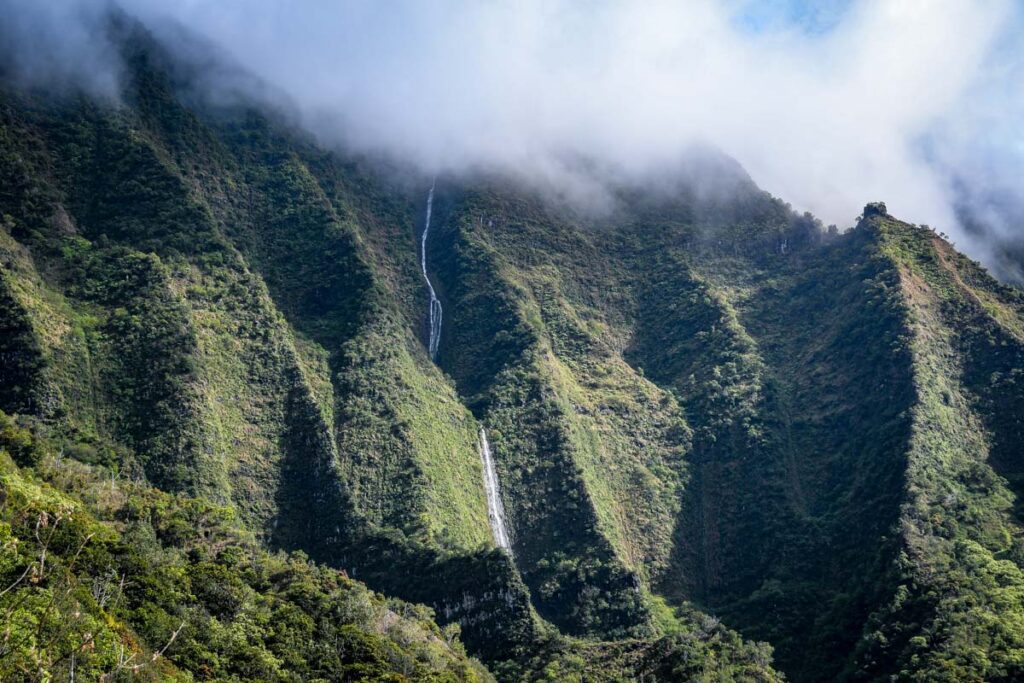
(495,510)
(434,340)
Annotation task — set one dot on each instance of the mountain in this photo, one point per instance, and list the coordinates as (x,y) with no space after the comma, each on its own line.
(718,429)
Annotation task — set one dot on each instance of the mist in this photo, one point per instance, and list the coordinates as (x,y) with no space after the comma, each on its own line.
(917,103)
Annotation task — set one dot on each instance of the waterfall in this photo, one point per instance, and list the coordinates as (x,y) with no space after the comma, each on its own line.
(435,304)
(495,510)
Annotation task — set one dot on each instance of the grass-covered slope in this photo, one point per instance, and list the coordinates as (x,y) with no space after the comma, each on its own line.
(870,514)
(190,292)
(772,464)
(197,300)
(107,579)
(957,609)
(590,454)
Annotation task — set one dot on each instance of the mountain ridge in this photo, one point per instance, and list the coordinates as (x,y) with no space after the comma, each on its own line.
(699,403)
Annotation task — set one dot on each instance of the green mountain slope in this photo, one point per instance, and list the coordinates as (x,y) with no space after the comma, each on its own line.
(117,581)
(715,424)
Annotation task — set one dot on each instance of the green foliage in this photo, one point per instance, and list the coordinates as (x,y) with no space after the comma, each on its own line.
(703,650)
(23,357)
(159,587)
(956,611)
(17,441)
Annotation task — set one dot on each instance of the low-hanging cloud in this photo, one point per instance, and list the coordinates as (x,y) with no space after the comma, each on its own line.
(917,102)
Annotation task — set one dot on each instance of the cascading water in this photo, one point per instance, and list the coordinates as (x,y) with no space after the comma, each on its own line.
(495,510)
(434,341)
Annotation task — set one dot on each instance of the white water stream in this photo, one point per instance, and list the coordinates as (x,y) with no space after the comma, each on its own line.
(434,340)
(495,510)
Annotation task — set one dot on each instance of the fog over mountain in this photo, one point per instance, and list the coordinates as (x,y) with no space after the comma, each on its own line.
(917,103)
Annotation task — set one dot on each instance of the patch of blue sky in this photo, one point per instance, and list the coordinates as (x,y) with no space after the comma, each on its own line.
(807,16)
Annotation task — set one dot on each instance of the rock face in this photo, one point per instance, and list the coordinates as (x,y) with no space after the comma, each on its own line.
(819,443)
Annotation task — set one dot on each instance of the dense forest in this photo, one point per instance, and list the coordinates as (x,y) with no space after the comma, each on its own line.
(732,444)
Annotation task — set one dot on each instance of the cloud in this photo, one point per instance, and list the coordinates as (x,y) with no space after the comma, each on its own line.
(908,101)
(61,44)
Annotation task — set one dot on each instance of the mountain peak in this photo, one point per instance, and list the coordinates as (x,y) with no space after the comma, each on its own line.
(875,209)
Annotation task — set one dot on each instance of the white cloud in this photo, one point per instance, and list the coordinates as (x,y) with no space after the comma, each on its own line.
(881,106)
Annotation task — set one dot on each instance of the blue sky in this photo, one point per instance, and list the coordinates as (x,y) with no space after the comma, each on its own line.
(813,18)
